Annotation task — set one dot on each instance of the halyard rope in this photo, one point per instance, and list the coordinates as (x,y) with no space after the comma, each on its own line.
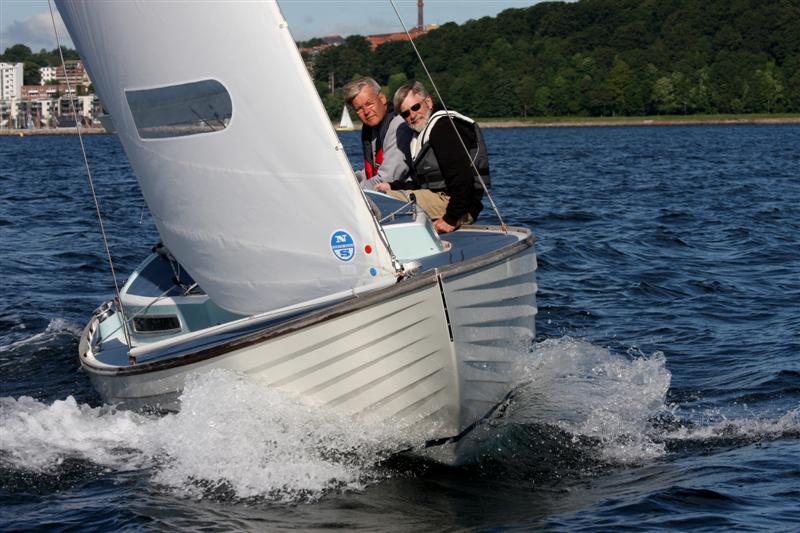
(89,173)
(439,96)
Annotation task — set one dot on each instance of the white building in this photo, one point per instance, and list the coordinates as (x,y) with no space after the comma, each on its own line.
(47,74)
(10,81)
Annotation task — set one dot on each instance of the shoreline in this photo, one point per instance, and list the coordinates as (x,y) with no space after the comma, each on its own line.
(13,132)
(633,121)
(513,123)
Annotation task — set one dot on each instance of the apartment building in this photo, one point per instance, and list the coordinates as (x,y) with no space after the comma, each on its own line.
(47,74)
(74,71)
(10,81)
(40,92)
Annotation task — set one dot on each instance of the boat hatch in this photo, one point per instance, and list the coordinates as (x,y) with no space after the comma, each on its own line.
(161,299)
(158,276)
(409,230)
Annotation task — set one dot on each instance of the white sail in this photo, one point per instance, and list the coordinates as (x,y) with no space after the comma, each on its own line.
(235,155)
(346,123)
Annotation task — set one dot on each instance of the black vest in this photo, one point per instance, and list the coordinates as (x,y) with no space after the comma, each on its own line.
(426,167)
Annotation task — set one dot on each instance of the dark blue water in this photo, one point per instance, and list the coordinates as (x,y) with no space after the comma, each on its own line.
(662,392)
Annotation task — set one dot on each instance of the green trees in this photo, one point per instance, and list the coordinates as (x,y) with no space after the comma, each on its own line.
(19,53)
(344,63)
(31,74)
(584,58)
(600,58)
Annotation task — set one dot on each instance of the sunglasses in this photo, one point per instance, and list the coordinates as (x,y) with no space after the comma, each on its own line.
(413,108)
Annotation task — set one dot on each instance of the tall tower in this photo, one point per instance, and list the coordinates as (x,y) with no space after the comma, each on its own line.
(420,20)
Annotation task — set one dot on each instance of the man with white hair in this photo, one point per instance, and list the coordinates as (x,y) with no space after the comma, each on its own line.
(443,180)
(385,137)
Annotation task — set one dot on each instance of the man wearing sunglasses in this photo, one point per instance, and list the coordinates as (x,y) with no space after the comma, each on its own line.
(385,137)
(443,180)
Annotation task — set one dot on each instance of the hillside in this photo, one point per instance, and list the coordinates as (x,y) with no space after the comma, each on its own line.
(597,58)
(592,58)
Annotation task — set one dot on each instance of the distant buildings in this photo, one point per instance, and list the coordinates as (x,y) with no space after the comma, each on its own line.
(41,92)
(10,91)
(420,29)
(49,104)
(333,40)
(10,80)
(74,71)
(47,74)
(51,108)
(310,53)
(377,40)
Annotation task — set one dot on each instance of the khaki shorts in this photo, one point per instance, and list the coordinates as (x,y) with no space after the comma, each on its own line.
(433,203)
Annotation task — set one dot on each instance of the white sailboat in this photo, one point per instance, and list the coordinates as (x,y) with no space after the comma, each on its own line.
(345,123)
(274,262)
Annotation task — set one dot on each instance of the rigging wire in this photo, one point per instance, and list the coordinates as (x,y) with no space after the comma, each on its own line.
(397,211)
(447,111)
(89,175)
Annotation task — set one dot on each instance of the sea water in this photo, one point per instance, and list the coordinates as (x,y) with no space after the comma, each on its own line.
(662,390)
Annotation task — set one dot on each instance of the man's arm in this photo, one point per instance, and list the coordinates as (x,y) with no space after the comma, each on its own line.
(455,167)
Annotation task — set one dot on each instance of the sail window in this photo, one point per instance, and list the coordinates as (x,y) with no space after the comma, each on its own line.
(180,110)
(156,324)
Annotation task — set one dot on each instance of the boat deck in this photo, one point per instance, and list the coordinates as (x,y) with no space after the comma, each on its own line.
(160,277)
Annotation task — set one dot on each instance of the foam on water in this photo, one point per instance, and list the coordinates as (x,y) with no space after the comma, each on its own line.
(236,438)
(754,428)
(55,328)
(589,392)
(617,404)
(38,437)
(233,436)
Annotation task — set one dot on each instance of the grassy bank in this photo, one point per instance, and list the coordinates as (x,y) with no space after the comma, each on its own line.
(657,120)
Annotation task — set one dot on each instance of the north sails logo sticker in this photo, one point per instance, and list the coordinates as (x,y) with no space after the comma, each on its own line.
(342,245)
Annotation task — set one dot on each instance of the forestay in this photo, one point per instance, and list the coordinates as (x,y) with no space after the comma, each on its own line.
(238,162)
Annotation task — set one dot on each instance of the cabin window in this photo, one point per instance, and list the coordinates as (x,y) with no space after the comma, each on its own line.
(156,324)
(180,110)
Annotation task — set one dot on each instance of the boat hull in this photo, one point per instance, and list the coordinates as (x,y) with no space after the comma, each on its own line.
(434,353)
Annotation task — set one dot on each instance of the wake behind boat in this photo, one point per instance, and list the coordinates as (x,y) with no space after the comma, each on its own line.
(274,262)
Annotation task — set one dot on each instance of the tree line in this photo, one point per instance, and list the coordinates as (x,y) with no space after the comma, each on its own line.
(585,58)
(32,62)
(595,58)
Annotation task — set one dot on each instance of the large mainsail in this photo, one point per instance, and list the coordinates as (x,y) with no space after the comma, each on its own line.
(247,182)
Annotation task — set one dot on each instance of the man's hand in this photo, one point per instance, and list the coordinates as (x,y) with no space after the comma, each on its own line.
(442,227)
(382,187)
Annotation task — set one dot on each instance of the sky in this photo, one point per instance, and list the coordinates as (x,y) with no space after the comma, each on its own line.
(28,21)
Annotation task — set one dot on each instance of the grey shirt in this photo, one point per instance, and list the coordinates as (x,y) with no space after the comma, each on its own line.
(396,155)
